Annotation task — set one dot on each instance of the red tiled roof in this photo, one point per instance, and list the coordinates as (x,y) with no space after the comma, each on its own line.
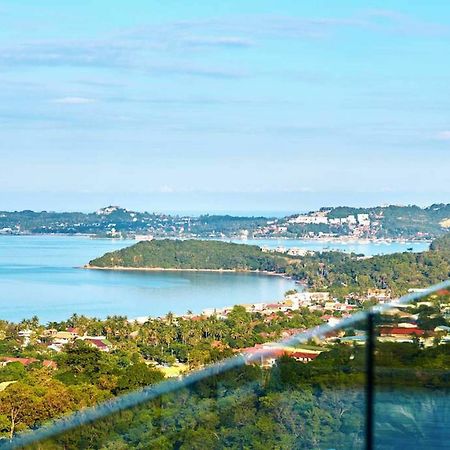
(27,361)
(197,318)
(401,331)
(97,342)
(49,364)
(24,361)
(267,352)
(271,317)
(292,331)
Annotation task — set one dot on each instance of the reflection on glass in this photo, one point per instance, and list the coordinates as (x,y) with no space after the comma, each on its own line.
(412,363)
(309,391)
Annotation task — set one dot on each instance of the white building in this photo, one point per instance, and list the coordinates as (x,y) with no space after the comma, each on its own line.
(363,220)
(309,220)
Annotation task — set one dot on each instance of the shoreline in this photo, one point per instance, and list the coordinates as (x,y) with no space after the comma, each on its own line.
(339,239)
(163,269)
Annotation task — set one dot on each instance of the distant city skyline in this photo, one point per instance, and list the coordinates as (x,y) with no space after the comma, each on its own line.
(239,107)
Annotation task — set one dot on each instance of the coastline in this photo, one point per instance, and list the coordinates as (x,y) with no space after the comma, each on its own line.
(337,239)
(165,269)
(340,240)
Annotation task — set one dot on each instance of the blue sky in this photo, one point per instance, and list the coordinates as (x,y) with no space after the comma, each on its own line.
(223,106)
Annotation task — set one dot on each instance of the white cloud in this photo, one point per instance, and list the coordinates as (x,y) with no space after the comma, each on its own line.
(74,100)
(166,189)
(219,41)
(443,135)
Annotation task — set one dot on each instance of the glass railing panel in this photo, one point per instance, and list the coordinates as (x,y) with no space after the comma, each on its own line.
(412,374)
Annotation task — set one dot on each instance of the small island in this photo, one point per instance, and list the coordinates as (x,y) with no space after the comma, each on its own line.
(192,255)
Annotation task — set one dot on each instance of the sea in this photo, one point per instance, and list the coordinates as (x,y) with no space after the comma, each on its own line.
(42,276)
(364,247)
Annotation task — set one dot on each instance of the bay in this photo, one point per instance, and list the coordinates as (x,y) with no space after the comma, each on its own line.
(41,275)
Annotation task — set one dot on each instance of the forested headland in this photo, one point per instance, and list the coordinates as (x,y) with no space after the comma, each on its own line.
(192,255)
(336,272)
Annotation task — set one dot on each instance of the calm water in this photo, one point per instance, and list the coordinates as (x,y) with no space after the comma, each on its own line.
(368,249)
(39,276)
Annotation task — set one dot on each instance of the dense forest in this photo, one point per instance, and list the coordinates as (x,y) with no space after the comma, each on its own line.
(342,274)
(192,254)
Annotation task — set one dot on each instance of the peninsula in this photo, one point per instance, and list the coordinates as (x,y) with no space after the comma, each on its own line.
(338,273)
(191,254)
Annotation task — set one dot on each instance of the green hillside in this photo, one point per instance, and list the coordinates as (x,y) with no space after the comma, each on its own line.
(192,254)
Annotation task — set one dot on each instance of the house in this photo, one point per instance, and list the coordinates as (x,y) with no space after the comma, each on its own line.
(291,332)
(49,364)
(49,332)
(65,336)
(330,320)
(407,325)
(303,356)
(319,297)
(26,335)
(274,306)
(271,317)
(378,294)
(101,345)
(254,307)
(208,312)
(74,330)
(4,360)
(400,331)
(267,354)
(98,342)
(400,334)
(263,355)
(55,347)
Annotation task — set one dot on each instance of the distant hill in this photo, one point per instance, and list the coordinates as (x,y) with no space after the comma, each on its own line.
(114,221)
(404,221)
(192,254)
(380,222)
(441,244)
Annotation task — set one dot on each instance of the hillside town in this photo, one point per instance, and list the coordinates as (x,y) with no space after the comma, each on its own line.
(426,322)
(384,222)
